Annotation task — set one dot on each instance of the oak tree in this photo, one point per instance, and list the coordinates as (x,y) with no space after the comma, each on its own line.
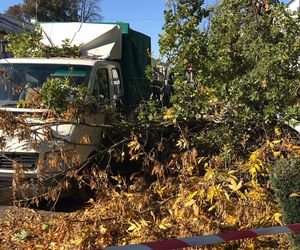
(245,68)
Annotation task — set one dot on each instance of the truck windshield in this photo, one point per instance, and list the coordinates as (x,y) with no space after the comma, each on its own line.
(15,78)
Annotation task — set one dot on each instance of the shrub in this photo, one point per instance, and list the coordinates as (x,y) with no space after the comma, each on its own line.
(286,183)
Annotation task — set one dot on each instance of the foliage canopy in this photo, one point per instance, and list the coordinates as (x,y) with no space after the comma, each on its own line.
(245,68)
(30,45)
(54,10)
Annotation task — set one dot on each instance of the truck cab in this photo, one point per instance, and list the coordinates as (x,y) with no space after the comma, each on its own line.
(103,81)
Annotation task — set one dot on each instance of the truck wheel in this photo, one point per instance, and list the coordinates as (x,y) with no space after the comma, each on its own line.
(82,194)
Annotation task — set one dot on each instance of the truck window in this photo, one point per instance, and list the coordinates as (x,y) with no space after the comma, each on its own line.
(101,87)
(116,81)
(14,78)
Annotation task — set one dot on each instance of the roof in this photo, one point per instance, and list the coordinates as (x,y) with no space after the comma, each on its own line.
(9,24)
(71,61)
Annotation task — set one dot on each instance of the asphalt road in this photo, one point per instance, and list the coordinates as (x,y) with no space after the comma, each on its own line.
(61,205)
(65,205)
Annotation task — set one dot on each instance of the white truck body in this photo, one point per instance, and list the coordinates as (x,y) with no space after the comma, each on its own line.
(293,5)
(103,41)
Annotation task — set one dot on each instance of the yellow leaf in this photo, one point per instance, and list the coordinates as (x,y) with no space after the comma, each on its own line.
(231,220)
(153,216)
(200,159)
(132,227)
(169,114)
(276,153)
(134,145)
(242,195)
(209,173)
(264,83)
(277,218)
(227,196)
(231,172)
(294,195)
(189,203)
(251,247)
(196,209)
(211,194)
(254,169)
(234,186)
(91,201)
(253,157)
(182,143)
(164,224)
(257,167)
(103,229)
(134,157)
(190,169)
(144,223)
(192,195)
(211,208)
(276,141)
(277,131)
(239,185)
(77,242)
(201,192)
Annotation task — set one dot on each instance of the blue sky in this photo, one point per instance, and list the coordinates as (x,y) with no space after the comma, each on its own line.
(145,16)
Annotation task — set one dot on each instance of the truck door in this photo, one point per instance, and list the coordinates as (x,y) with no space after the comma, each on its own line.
(100,95)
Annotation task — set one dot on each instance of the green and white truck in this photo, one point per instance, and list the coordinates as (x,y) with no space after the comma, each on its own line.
(113,62)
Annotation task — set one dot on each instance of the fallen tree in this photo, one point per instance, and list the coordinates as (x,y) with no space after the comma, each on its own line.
(203,165)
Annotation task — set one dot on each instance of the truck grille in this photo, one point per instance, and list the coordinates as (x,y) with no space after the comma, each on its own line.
(28,161)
